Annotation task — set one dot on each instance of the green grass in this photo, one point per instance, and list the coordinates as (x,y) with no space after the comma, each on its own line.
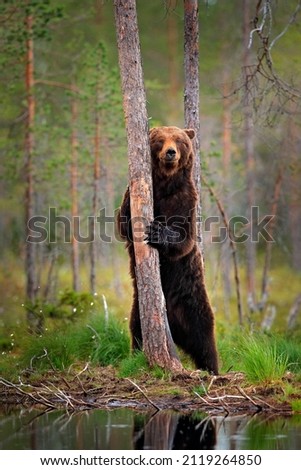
(261,360)
(261,356)
(96,342)
(133,365)
(296,405)
(111,343)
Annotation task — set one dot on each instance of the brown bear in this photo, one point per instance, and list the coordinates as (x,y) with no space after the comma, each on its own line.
(173,234)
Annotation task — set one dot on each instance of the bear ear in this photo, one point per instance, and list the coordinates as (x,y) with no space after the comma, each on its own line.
(190,133)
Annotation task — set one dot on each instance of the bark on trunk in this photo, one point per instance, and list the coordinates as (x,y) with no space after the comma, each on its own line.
(293,313)
(226,159)
(74,204)
(173,72)
(29,192)
(294,207)
(250,162)
(192,96)
(269,245)
(95,208)
(157,341)
(233,249)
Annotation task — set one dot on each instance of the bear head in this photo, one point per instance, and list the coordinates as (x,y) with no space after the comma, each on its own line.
(171,149)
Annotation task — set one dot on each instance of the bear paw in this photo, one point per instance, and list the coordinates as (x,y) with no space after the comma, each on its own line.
(158,235)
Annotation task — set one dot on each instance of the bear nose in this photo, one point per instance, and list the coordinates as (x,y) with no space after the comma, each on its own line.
(170,154)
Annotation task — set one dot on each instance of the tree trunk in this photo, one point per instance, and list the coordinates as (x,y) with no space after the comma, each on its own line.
(233,248)
(294,207)
(173,72)
(157,341)
(74,204)
(29,174)
(192,96)
(226,160)
(269,244)
(250,162)
(95,208)
(293,313)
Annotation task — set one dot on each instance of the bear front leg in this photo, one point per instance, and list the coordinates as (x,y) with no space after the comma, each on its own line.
(124,225)
(160,236)
(172,240)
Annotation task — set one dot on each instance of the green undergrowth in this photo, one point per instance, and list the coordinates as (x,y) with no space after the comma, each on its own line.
(136,365)
(97,342)
(262,357)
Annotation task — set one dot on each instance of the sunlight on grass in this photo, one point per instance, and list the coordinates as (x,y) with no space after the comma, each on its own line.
(97,342)
(261,360)
(263,357)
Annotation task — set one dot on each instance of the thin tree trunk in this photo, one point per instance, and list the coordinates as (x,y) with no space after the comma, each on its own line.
(173,73)
(269,245)
(226,159)
(48,291)
(293,313)
(96,191)
(233,248)
(29,172)
(99,12)
(74,203)
(157,341)
(227,131)
(192,96)
(294,206)
(250,161)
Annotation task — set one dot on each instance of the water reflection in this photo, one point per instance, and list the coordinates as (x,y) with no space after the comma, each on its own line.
(167,430)
(125,429)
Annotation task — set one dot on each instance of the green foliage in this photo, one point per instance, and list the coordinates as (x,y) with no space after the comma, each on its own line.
(200,390)
(134,365)
(262,357)
(97,342)
(77,300)
(261,361)
(70,306)
(291,347)
(56,350)
(14,34)
(296,405)
(111,343)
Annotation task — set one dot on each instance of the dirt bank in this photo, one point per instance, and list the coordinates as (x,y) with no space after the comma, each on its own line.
(85,387)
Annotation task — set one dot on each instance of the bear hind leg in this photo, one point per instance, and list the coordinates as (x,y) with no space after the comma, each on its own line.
(135,326)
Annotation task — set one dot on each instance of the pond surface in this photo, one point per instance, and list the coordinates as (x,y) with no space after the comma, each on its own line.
(125,429)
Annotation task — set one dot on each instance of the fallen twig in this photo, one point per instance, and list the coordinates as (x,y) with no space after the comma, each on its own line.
(144,394)
(207,402)
(86,366)
(41,401)
(248,398)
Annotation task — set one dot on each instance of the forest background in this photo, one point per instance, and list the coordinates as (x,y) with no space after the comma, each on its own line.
(64,157)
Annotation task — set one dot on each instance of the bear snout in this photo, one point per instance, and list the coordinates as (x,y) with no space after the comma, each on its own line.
(170,154)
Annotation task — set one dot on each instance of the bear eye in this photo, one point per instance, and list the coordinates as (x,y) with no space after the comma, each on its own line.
(181,143)
(158,144)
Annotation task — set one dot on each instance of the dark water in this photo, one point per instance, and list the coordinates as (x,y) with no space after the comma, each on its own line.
(125,429)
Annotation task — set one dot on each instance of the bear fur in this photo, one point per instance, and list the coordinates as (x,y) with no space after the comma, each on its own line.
(173,234)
